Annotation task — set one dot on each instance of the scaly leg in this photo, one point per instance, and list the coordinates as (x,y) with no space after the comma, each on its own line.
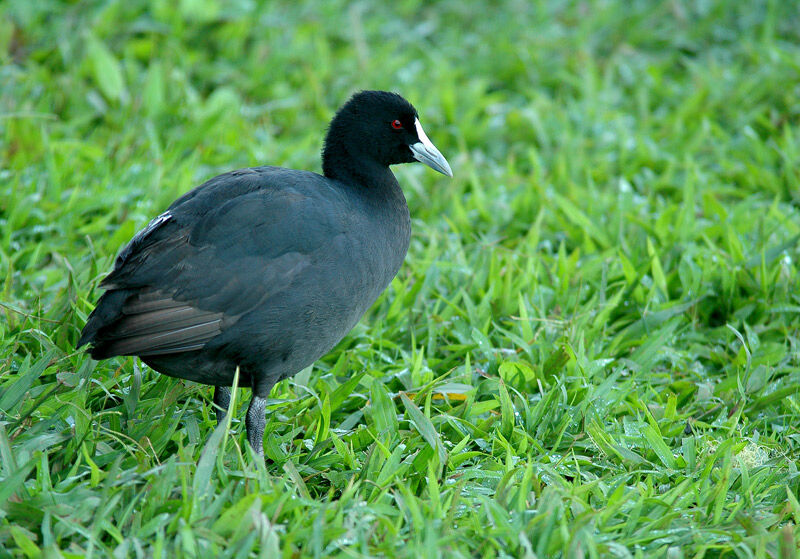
(256,420)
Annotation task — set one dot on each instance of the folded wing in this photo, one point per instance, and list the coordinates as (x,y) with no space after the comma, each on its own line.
(193,272)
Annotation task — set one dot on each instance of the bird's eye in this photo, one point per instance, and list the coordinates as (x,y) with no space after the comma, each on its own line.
(397,125)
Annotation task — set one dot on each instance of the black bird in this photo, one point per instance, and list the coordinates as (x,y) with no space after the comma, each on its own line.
(267,268)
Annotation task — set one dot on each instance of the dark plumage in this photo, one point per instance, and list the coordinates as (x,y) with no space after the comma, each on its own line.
(267,268)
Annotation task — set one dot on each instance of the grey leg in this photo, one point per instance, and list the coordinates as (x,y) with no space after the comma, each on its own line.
(222,399)
(256,422)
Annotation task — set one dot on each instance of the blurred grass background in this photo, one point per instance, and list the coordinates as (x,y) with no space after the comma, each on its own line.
(591,351)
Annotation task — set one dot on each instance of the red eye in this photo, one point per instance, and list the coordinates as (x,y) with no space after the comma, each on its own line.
(397,125)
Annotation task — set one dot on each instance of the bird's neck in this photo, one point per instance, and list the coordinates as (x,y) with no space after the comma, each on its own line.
(359,172)
(375,185)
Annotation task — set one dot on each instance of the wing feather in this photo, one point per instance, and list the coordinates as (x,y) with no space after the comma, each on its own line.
(169,341)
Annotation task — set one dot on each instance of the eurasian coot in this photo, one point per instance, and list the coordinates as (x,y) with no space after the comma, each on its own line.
(267,268)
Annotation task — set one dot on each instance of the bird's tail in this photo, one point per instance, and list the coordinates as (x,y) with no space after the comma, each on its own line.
(106,313)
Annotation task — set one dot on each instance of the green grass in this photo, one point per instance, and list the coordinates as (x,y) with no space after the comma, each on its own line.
(591,350)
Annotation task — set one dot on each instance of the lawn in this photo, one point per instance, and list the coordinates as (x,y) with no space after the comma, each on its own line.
(590,351)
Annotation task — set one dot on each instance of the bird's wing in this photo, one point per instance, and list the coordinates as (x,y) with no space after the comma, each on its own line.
(186,276)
